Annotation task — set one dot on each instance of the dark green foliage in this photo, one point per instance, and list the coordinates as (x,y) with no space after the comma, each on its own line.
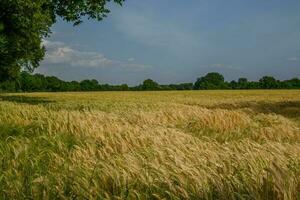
(24,23)
(211,81)
(8,86)
(243,83)
(124,87)
(36,82)
(292,83)
(53,83)
(89,85)
(150,85)
(216,81)
(74,10)
(269,82)
(27,82)
(181,86)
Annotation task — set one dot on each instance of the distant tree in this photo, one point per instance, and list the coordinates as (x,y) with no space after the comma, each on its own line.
(124,87)
(69,86)
(104,87)
(254,85)
(268,82)
(212,80)
(42,82)
(186,86)
(181,86)
(293,83)
(243,83)
(8,86)
(24,23)
(150,85)
(32,83)
(75,85)
(165,87)
(28,82)
(233,85)
(243,80)
(53,84)
(89,85)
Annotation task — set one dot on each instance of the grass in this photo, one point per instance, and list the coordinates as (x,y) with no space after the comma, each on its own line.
(150,145)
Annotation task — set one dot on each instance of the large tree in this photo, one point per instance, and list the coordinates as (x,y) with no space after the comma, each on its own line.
(24,24)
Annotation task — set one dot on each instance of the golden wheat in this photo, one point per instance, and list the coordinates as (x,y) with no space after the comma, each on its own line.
(150,145)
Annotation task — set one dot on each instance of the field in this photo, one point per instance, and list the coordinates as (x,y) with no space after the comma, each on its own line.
(150,145)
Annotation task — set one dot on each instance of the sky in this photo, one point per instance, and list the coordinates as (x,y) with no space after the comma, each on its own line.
(174,41)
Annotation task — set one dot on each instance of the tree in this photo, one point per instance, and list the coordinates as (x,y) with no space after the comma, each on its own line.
(242,83)
(32,83)
(8,86)
(24,24)
(53,84)
(124,87)
(181,86)
(233,85)
(212,80)
(268,82)
(293,83)
(242,80)
(75,86)
(150,85)
(89,85)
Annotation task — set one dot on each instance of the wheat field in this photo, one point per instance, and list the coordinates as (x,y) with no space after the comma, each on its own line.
(150,145)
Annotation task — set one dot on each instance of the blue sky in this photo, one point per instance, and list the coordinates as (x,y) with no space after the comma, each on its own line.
(177,41)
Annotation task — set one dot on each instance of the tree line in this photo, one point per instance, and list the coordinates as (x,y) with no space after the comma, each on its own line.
(27,82)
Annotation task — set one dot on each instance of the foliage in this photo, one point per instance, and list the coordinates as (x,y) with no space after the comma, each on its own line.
(89,85)
(212,80)
(149,85)
(243,83)
(181,86)
(27,82)
(269,82)
(24,23)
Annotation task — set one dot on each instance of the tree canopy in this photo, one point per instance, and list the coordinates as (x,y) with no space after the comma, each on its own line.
(269,82)
(149,84)
(24,24)
(212,80)
(27,82)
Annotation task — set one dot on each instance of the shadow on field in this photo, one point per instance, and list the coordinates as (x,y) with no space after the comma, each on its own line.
(25,99)
(289,109)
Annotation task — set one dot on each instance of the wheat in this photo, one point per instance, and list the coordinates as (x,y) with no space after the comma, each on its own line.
(151,145)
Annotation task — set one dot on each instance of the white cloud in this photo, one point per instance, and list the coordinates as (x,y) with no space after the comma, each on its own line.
(60,53)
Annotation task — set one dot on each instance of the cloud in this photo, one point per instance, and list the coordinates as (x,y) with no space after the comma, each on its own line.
(61,54)
(294,59)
